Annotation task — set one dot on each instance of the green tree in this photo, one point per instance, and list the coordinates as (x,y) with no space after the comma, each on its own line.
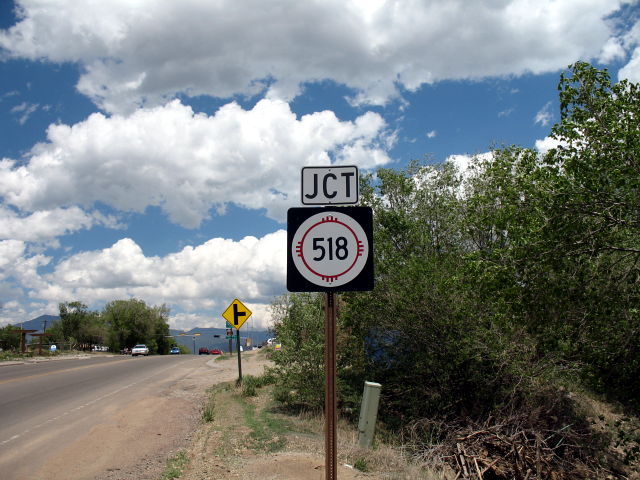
(299,365)
(594,222)
(10,337)
(132,321)
(79,326)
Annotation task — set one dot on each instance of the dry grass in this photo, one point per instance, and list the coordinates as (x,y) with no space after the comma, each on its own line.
(248,433)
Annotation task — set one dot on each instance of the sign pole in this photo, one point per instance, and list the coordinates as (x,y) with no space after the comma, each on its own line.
(239,361)
(331,416)
(235,315)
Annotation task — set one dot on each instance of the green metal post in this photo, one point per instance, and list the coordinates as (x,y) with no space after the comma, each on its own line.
(368,413)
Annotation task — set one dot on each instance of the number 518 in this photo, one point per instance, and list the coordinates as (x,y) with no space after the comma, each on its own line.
(337,248)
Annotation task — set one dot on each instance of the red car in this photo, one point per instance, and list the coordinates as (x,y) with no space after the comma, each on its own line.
(215,351)
(203,351)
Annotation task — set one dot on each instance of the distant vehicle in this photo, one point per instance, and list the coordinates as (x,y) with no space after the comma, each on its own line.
(140,349)
(203,351)
(175,351)
(215,351)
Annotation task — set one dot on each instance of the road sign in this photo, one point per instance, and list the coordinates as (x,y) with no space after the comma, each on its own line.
(329,249)
(330,185)
(236,314)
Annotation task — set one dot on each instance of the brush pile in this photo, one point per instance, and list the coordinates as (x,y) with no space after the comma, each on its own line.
(517,447)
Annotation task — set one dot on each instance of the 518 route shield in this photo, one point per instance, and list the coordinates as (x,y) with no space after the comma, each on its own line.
(329,249)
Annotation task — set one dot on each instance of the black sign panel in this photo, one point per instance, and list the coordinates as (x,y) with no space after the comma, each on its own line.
(329,249)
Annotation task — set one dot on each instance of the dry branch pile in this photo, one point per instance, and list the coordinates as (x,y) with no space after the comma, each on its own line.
(512,449)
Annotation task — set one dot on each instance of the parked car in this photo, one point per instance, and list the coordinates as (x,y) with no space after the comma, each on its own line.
(175,351)
(215,351)
(140,349)
(203,351)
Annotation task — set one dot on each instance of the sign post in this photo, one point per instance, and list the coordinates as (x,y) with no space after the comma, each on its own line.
(330,392)
(236,314)
(330,250)
(229,336)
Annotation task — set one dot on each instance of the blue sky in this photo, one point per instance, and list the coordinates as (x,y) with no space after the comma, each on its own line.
(151,149)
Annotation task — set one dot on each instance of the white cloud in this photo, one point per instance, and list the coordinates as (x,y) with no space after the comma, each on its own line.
(187,163)
(432,134)
(44,226)
(25,110)
(198,281)
(143,52)
(545,116)
(612,50)
(463,162)
(630,41)
(18,267)
(547,143)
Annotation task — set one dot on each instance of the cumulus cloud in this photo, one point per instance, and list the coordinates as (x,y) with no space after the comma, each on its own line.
(187,163)
(204,278)
(44,226)
(142,53)
(631,42)
(548,143)
(18,266)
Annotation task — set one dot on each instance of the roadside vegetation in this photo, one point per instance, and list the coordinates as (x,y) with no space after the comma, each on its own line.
(504,325)
(122,323)
(175,466)
(244,430)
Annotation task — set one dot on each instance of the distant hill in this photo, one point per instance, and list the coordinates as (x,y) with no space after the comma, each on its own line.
(38,322)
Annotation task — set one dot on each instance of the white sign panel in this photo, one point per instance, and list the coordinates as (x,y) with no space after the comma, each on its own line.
(330,249)
(330,185)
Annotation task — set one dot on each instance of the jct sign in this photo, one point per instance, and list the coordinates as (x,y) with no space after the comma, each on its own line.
(330,185)
(329,249)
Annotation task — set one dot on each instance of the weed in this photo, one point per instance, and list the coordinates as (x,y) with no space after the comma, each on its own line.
(267,431)
(209,407)
(361,464)
(250,385)
(175,466)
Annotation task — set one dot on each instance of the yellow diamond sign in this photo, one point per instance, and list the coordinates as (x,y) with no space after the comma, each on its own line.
(236,314)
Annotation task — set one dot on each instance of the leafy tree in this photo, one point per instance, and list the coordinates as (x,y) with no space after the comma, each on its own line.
(79,326)
(594,222)
(299,366)
(10,337)
(493,281)
(132,321)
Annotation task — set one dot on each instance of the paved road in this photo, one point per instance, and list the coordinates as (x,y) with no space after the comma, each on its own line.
(45,406)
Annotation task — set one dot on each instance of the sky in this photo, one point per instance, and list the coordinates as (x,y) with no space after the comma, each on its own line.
(150,149)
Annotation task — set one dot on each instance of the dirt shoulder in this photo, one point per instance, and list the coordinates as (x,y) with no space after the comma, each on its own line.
(248,438)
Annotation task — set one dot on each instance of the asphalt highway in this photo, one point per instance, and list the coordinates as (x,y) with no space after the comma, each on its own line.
(44,406)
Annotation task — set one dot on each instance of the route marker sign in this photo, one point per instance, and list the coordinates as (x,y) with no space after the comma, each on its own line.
(236,314)
(336,185)
(329,249)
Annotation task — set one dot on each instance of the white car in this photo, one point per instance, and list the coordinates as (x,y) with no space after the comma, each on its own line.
(140,349)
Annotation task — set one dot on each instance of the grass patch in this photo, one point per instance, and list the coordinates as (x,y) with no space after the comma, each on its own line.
(267,431)
(361,464)
(208,410)
(251,384)
(175,466)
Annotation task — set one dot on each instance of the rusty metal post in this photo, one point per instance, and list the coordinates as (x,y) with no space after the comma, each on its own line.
(331,415)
